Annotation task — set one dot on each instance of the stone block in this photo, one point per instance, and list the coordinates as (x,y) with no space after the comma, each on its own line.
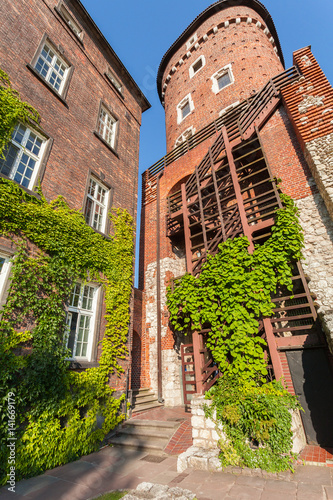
(198,422)
(200,463)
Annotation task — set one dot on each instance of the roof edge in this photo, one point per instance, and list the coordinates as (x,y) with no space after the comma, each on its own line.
(210,11)
(142,100)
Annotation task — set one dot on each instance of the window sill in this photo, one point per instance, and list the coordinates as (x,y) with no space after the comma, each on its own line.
(106,143)
(41,79)
(82,365)
(27,190)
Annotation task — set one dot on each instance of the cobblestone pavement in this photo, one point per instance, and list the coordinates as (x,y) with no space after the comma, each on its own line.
(113,469)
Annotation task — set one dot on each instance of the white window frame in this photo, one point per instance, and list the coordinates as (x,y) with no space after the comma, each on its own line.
(4,275)
(51,66)
(114,80)
(191,41)
(24,154)
(221,72)
(97,204)
(82,312)
(68,18)
(189,132)
(192,70)
(186,100)
(107,132)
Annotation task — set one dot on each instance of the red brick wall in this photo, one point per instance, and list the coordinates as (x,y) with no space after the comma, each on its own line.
(75,148)
(245,46)
(71,124)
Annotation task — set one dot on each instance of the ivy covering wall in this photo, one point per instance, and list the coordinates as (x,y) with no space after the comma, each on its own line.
(60,414)
(229,297)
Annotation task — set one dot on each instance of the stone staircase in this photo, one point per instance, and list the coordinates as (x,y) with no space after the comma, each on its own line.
(151,436)
(144,399)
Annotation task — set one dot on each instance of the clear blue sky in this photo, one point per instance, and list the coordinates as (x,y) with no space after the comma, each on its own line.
(140,32)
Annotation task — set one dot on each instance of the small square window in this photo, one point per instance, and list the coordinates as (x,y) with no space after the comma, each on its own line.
(197,65)
(80,321)
(52,68)
(107,127)
(184,108)
(22,156)
(191,41)
(96,207)
(222,78)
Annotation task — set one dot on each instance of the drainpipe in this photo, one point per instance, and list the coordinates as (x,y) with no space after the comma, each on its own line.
(158,293)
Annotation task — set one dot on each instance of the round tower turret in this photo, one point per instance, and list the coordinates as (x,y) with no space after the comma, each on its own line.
(224,56)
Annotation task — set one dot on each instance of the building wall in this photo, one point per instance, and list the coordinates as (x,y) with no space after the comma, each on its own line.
(70,120)
(237,36)
(71,124)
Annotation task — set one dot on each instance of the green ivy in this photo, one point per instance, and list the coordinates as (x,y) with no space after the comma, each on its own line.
(229,297)
(12,110)
(60,414)
(256,422)
(234,291)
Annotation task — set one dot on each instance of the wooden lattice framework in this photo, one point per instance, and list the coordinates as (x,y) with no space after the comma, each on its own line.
(232,192)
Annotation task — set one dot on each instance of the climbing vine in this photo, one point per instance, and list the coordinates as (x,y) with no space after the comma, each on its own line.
(229,297)
(234,291)
(60,414)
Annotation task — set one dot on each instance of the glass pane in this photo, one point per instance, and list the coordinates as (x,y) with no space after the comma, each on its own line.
(75,295)
(186,110)
(87,298)
(224,80)
(2,261)
(87,212)
(72,331)
(6,164)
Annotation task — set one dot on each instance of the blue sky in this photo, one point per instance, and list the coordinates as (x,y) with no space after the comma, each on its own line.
(141,32)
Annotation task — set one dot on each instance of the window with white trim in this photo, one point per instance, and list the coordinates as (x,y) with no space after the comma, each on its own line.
(222,78)
(184,108)
(52,67)
(184,136)
(4,274)
(96,205)
(197,65)
(107,126)
(74,26)
(80,321)
(22,156)
(191,41)
(115,82)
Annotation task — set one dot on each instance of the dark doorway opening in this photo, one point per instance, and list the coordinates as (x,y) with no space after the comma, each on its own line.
(313,383)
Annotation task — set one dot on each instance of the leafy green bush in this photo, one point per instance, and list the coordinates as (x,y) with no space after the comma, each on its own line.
(256,422)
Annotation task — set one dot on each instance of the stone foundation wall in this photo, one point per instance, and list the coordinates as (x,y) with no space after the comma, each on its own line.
(204,431)
(206,434)
(171,360)
(318,253)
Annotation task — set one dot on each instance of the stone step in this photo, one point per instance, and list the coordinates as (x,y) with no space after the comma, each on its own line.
(149,398)
(152,425)
(148,435)
(147,406)
(132,443)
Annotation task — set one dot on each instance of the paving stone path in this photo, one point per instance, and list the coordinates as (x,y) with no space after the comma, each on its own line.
(113,469)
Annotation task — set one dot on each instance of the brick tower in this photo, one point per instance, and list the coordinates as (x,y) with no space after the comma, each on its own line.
(236,119)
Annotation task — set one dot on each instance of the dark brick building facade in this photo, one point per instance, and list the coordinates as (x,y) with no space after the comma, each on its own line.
(86,147)
(224,87)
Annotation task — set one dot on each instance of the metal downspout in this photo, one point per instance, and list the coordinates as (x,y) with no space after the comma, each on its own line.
(158,293)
